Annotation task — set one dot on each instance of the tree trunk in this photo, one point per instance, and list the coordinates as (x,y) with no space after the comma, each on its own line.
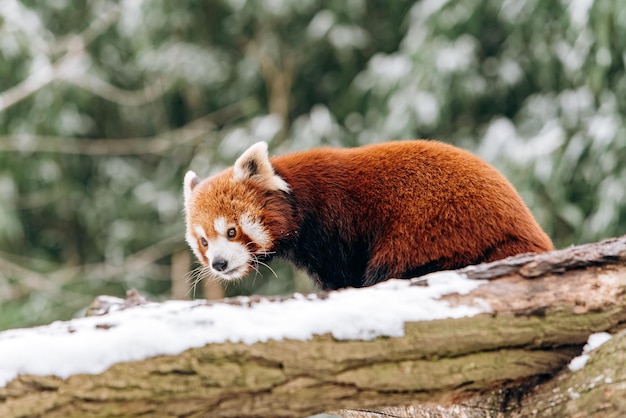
(502,363)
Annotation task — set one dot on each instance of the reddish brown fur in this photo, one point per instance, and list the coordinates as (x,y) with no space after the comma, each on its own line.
(238,198)
(354,217)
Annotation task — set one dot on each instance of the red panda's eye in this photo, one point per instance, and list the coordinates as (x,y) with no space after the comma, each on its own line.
(231,233)
(204,242)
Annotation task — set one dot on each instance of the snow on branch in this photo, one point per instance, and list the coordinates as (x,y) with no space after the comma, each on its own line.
(91,345)
(482,335)
(73,65)
(71,49)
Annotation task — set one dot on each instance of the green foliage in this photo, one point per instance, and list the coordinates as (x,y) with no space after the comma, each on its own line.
(106,104)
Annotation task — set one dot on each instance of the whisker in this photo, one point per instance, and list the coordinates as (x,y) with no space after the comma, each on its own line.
(209,277)
(192,274)
(257,261)
(193,277)
(269,268)
(254,265)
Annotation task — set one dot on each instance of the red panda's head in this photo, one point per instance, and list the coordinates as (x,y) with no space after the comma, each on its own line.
(224,214)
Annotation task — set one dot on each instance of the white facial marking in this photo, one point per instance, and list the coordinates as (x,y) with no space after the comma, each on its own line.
(220,225)
(237,256)
(255,231)
(192,239)
(234,253)
(193,243)
(200,231)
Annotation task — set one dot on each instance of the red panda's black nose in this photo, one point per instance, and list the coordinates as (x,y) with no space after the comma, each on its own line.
(219,264)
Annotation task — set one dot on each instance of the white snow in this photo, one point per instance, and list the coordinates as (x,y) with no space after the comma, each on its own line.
(321,24)
(264,128)
(603,129)
(510,71)
(425,9)
(458,56)
(502,141)
(383,72)
(131,17)
(579,11)
(594,341)
(348,37)
(426,106)
(196,65)
(93,344)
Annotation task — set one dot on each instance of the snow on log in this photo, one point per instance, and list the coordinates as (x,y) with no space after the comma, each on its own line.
(441,338)
(91,345)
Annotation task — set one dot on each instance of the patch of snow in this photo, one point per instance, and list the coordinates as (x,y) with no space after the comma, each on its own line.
(93,344)
(502,141)
(131,16)
(321,23)
(594,341)
(579,11)
(276,7)
(574,56)
(572,393)
(354,122)
(167,205)
(500,137)
(510,71)
(18,23)
(458,56)
(201,66)
(235,142)
(576,103)
(310,130)
(264,128)
(512,10)
(348,36)
(579,362)
(426,106)
(322,121)
(425,9)
(603,129)
(389,68)
(236,5)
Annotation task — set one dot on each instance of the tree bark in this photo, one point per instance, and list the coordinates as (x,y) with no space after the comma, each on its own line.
(495,364)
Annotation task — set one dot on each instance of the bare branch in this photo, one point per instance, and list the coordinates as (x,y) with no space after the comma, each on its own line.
(107,18)
(158,144)
(51,282)
(72,47)
(35,82)
(122,97)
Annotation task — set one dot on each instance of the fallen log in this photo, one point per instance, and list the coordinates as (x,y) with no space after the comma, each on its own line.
(520,322)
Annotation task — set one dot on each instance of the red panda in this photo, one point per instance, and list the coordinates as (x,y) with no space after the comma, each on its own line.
(355,217)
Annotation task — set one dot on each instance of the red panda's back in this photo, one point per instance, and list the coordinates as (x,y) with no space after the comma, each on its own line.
(415,206)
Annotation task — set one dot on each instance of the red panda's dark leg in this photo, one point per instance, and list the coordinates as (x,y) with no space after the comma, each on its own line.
(376,273)
(385,262)
(396,264)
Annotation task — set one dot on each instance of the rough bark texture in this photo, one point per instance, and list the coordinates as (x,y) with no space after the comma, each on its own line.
(498,364)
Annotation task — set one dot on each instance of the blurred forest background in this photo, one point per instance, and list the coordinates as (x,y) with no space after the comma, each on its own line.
(105,104)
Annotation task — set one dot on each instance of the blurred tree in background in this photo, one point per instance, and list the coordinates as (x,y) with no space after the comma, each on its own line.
(105,104)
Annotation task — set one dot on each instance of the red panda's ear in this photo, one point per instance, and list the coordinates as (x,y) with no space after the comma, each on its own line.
(191,180)
(254,164)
